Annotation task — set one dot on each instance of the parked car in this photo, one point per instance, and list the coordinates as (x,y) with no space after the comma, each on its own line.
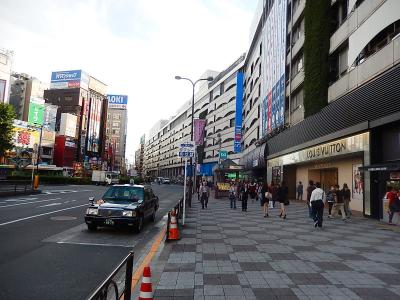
(166,181)
(123,205)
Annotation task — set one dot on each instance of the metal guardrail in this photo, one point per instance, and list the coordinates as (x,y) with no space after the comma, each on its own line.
(14,186)
(118,283)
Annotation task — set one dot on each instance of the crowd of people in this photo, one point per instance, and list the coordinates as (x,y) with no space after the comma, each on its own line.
(337,200)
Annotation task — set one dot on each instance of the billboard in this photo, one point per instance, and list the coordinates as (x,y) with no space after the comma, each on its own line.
(93,131)
(36,111)
(273,64)
(117,101)
(24,135)
(49,118)
(68,124)
(69,80)
(237,147)
(198,131)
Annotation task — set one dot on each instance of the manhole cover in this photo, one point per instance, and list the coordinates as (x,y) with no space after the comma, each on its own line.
(63,218)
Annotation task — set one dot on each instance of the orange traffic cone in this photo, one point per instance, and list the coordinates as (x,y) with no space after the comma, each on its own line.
(173,228)
(146,291)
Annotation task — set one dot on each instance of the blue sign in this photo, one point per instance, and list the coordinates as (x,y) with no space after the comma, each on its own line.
(62,76)
(223,154)
(117,99)
(237,148)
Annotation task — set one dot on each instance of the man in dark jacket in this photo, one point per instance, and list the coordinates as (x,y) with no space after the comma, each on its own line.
(310,189)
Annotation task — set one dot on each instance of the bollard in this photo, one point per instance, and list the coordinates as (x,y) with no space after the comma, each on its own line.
(36,182)
(168,221)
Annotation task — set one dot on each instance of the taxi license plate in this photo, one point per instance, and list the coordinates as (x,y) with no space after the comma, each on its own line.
(109,222)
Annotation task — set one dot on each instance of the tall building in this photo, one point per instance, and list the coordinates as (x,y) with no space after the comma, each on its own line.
(139,158)
(116,131)
(78,94)
(215,102)
(6,58)
(23,88)
(328,120)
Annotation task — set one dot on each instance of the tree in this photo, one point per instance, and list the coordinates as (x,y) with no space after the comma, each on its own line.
(7,116)
(316,54)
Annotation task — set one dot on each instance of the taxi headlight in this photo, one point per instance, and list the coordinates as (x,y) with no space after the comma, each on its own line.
(129,213)
(92,211)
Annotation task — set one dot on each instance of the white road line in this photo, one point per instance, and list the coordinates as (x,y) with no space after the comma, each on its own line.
(47,205)
(95,244)
(33,202)
(21,199)
(40,215)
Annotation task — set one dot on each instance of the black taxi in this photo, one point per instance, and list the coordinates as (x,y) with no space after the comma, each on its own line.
(122,205)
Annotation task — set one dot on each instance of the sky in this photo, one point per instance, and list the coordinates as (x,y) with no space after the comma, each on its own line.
(136,47)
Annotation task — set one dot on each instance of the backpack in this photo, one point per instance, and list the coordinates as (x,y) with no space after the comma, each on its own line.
(330,197)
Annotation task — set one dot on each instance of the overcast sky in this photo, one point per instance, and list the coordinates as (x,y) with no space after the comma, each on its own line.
(135,46)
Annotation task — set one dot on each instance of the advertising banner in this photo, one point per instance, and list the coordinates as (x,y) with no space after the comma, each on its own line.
(68,125)
(117,101)
(198,131)
(273,64)
(48,138)
(237,148)
(69,79)
(50,114)
(36,111)
(24,135)
(94,125)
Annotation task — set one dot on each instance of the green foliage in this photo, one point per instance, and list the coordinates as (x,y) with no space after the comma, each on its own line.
(7,115)
(316,53)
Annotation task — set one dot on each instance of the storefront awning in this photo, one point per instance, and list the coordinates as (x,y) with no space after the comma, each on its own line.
(255,159)
(227,165)
(382,167)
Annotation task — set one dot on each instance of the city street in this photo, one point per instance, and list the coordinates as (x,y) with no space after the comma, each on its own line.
(47,252)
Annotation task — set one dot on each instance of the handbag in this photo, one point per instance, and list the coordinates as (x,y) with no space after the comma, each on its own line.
(286,202)
(268,195)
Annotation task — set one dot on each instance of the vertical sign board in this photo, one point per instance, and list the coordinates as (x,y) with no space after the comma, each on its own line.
(199,125)
(273,68)
(238,116)
(36,111)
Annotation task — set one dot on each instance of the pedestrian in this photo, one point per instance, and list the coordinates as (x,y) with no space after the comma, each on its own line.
(317,204)
(260,188)
(198,189)
(339,204)
(346,199)
(205,194)
(394,203)
(300,191)
(283,199)
(274,191)
(330,198)
(310,189)
(245,196)
(232,195)
(252,191)
(266,197)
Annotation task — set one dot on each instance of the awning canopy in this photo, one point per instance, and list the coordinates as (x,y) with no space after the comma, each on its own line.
(255,159)
(381,167)
(227,165)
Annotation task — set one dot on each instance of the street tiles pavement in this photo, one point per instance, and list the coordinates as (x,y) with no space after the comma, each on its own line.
(231,254)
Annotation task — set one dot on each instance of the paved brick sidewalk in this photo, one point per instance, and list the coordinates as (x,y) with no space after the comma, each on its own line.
(230,254)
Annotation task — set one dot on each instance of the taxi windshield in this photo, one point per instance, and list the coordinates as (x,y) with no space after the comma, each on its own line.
(117,194)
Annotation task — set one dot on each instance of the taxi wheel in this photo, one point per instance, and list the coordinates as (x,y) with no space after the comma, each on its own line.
(92,227)
(153,216)
(139,225)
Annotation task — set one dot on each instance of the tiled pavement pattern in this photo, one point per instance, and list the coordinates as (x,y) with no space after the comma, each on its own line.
(230,254)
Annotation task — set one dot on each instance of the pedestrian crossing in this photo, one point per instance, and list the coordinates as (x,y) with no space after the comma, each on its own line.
(52,192)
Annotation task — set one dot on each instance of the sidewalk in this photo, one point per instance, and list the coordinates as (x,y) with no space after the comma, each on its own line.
(230,254)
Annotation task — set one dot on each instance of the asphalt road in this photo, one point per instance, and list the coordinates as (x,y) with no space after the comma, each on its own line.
(46,251)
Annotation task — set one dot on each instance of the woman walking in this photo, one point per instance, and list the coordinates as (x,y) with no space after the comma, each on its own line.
(330,198)
(394,203)
(205,193)
(266,196)
(245,196)
(346,199)
(274,192)
(283,198)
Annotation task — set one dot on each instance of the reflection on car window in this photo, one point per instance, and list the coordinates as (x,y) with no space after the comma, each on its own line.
(123,193)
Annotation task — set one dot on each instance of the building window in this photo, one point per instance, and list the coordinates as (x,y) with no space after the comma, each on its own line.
(2,90)
(116,117)
(232,122)
(116,124)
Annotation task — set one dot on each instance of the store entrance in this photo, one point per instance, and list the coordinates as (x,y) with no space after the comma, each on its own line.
(327,177)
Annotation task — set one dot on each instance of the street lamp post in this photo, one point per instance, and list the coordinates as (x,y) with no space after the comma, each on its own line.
(210,78)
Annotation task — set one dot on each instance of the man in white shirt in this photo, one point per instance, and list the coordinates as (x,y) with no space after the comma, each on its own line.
(317,204)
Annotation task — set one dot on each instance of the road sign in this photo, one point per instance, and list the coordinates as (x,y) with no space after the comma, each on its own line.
(223,154)
(186,149)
